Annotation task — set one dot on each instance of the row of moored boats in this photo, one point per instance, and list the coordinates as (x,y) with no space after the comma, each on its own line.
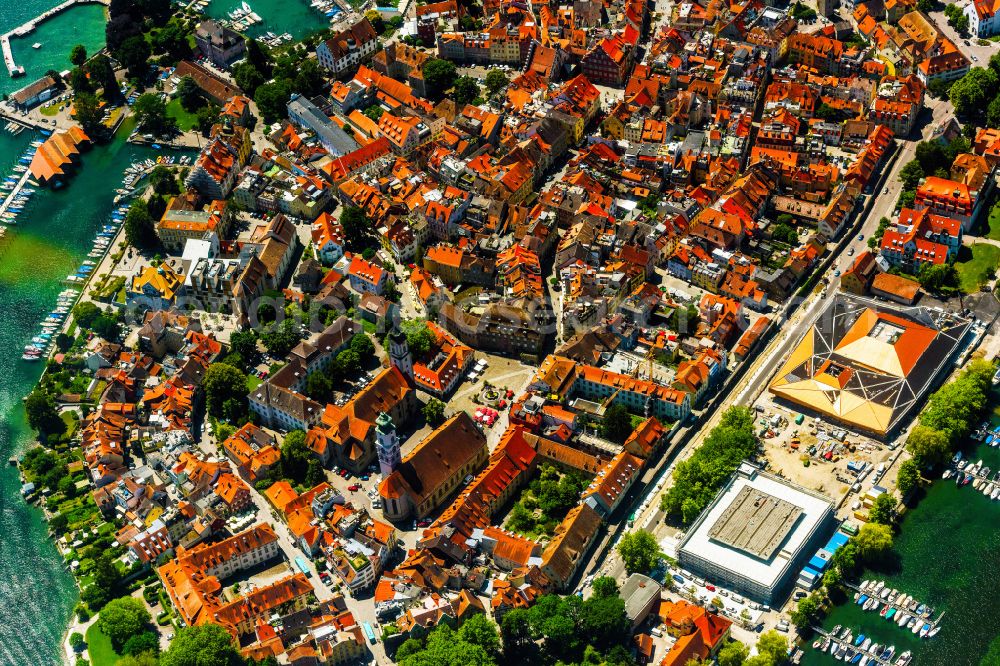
(14,200)
(860,649)
(898,607)
(976,473)
(41,343)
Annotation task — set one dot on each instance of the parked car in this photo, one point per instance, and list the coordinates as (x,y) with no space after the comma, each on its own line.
(424,523)
(354,487)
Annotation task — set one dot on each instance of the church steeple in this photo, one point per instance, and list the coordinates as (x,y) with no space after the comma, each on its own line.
(386,444)
(399,351)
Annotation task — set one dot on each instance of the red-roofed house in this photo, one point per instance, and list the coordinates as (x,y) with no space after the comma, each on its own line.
(366,277)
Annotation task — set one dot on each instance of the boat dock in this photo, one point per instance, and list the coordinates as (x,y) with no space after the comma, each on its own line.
(899,610)
(28,27)
(873,658)
(12,195)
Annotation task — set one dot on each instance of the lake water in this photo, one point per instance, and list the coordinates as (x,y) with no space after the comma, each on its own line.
(295,17)
(949,557)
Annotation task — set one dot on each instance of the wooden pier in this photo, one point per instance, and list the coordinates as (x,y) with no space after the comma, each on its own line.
(28,27)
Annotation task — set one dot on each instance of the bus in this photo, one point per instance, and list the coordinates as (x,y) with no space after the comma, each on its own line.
(303,567)
(369,633)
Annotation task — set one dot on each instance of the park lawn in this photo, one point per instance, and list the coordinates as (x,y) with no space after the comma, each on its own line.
(993,222)
(185,121)
(974,271)
(99,648)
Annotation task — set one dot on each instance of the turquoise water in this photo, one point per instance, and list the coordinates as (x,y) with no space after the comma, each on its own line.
(52,238)
(295,17)
(83,24)
(949,557)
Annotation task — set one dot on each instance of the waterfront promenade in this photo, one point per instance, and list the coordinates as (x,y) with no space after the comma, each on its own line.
(29,26)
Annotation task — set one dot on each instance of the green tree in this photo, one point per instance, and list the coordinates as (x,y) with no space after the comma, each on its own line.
(142,659)
(883,510)
(151,115)
(88,113)
(358,232)
(163,180)
(318,387)
(79,81)
(223,382)
(616,424)
(480,630)
(605,586)
(908,477)
(244,343)
(140,229)
(189,94)
(639,551)
(993,113)
(295,456)
(279,339)
(85,313)
(439,77)
(142,643)
(873,541)
(971,94)
(806,612)
(496,81)
(733,653)
(773,645)
(433,412)
(466,90)
(515,633)
(928,446)
(78,55)
(374,112)
(202,645)
(309,80)
(134,54)
(272,100)
(43,416)
(938,277)
(911,174)
(102,75)
(248,77)
(172,41)
(362,345)
(206,117)
(121,619)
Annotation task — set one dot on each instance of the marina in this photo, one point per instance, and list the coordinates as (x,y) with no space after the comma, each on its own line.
(897,607)
(28,27)
(844,644)
(948,556)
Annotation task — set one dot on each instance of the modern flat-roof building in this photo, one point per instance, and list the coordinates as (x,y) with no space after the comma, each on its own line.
(757,534)
(867,364)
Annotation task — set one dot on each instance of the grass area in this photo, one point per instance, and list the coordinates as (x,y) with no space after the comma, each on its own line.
(185,121)
(975,270)
(993,223)
(368,326)
(253,382)
(99,648)
(49,109)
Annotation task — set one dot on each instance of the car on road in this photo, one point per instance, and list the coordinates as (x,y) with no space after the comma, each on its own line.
(836,273)
(424,523)
(975,59)
(850,252)
(861,237)
(799,594)
(679,579)
(710,588)
(343,473)
(354,487)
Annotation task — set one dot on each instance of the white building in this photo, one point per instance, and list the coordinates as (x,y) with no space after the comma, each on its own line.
(756,535)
